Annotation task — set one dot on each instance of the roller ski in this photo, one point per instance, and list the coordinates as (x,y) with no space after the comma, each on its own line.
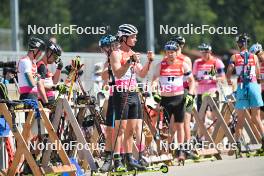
(259,152)
(201,159)
(155,168)
(243,150)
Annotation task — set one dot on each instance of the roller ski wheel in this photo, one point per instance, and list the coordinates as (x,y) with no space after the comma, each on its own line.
(164,169)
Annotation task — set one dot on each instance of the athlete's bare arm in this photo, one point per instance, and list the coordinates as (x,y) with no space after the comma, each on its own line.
(104,74)
(188,61)
(56,76)
(191,82)
(155,78)
(117,68)
(230,69)
(257,66)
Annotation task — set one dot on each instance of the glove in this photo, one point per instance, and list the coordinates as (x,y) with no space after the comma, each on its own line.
(59,64)
(157,97)
(76,62)
(62,88)
(189,101)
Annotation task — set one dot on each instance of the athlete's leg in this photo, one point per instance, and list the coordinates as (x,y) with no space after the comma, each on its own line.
(187,128)
(255,114)
(240,123)
(120,128)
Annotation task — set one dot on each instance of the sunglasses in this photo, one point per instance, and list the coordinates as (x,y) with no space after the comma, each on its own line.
(204,51)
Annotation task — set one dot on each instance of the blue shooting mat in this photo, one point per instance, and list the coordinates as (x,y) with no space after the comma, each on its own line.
(4,127)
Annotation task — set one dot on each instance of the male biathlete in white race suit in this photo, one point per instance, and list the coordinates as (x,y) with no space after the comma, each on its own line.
(170,74)
(127,107)
(28,80)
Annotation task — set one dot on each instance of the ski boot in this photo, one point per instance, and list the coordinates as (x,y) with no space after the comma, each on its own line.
(133,164)
(262,141)
(191,155)
(260,152)
(180,155)
(119,167)
(238,152)
(106,167)
(142,161)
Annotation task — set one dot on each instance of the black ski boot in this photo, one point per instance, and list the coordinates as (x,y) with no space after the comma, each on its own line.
(191,155)
(180,155)
(238,150)
(260,152)
(119,167)
(122,155)
(189,152)
(133,164)
(106,167)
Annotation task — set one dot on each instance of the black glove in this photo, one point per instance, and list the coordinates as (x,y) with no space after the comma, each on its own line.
(59,64)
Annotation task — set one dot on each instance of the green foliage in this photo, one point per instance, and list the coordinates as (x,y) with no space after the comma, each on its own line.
(246,15)
(4,14)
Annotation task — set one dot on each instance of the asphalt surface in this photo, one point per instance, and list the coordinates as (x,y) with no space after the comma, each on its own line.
(229,166)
